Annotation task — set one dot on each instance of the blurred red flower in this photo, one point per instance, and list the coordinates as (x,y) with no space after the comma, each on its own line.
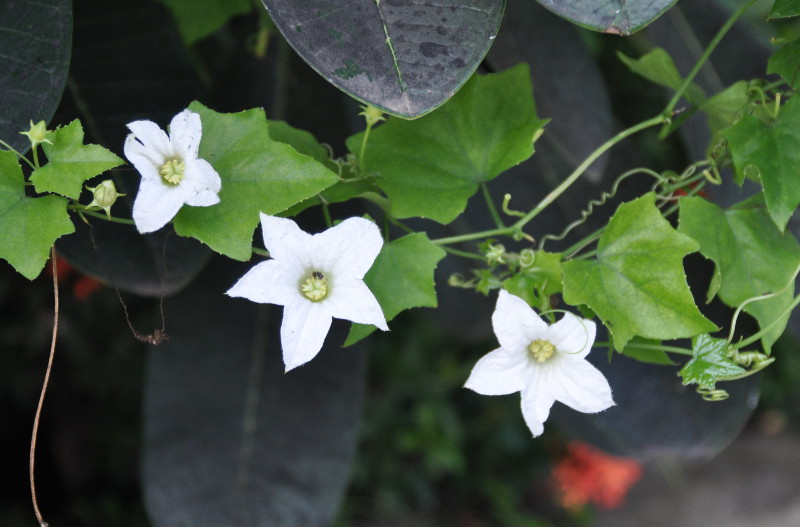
(587,475)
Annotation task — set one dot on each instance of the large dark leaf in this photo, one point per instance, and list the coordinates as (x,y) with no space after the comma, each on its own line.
(621,17)
(129,63)
(35,42)
(231,440)
(404,56)
(568,84)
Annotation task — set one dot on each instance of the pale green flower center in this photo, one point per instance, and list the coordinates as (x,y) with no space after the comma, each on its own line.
(542,350)
(315,287)
(172,171)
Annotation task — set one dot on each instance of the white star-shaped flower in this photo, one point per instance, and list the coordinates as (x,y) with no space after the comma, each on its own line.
(315,278)
(544,363)
(172,174)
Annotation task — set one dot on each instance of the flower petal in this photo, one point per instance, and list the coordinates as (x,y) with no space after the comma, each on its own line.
(349,248)
(268,282)
(536,401)
(285,241)
(352,300)
(185,131)
(146,161)
(580,386)
(499,372)
(155,205)
(154,140)
(201,184)
(573,335)
(515,323)
(303,330)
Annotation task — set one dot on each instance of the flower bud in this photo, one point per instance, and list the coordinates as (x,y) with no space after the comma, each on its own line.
(372,115)
(104,195)
(37,134)
(495,253)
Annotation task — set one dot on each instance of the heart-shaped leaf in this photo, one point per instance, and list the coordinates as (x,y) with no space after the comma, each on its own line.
(35,39)
(609,16)
(229,438)
(404,57)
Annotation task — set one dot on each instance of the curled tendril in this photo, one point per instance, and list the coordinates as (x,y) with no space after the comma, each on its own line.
(458,280)
(716,394)
(506,200)
(604,197)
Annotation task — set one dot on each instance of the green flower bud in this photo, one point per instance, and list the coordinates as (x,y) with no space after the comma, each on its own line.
(495,253)
(37,134)
(104,195)
(372,115)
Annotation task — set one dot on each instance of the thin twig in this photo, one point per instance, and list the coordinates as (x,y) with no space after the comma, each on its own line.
(36,418)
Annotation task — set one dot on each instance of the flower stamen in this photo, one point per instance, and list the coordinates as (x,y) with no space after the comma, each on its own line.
(172,171)
(315,287)
(542,350)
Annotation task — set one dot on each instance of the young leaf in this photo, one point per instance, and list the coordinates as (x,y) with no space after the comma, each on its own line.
(70,162)
(751,255)
(710,363)
(636,284)
(30,226)
(658,67)
(430,167)
(406,58)
(258,175)
(199,18)
(401,278)
(770,152)
(609,16)
(537,283)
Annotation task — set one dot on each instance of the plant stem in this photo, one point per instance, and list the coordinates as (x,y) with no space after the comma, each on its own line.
(642,346)
(113,219)
(490,205)
(704,57)
(11,149)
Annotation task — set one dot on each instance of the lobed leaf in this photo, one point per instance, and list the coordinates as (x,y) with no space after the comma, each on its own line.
(710,363)
(430,167)
(70,162)
(769,152)
(636,283)
(401,278)
(199,18)
(785,9)
(752,256)
(30,226)
(258,174)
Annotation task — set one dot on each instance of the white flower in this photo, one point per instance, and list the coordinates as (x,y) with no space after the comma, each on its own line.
(172,174)
(544,363)
(316,278)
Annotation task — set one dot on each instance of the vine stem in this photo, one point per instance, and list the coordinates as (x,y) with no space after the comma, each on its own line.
(37,416)
(20,156)
(552,196)
(706,54)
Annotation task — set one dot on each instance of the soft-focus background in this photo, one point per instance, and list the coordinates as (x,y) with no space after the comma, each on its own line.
(429,452)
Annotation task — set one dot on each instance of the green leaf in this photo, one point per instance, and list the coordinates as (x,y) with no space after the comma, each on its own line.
(770,151)
(30,226)
(710,363)
(785,9)
(199,18)
(401,278)
(647,351)
(537,283)
(258,175)
(35,39)
(726,108)
(609,16)
(636,284)
(658,67)
(786,61)
(406,58)
(751,255)
(430,167)
(70,162)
